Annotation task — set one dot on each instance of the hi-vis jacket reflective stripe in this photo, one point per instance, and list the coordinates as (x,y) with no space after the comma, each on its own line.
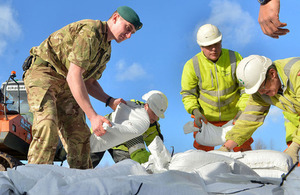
(213,87)
(148,137)
(258,105)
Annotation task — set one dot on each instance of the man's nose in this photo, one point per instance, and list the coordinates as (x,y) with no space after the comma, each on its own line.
(128,35)
(262,92)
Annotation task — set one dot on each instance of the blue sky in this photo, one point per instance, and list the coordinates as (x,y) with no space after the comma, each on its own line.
(154,57)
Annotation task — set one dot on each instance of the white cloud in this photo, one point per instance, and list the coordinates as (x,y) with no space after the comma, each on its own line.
(235,23)
(275,114)
(9,28)
(129,73)
(2,45)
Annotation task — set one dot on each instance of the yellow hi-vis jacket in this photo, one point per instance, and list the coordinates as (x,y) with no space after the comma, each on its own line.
(258,105)
(213,87)
(291,123)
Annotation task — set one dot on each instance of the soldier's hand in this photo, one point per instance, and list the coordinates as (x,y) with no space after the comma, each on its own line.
(199,118)
(115,102)
(268,19)
(97,125)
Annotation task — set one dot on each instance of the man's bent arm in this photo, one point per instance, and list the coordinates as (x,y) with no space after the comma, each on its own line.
(95,90)
(79,91)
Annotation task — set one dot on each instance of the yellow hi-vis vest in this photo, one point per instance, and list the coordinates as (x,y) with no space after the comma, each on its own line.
(258,105)
(213,87)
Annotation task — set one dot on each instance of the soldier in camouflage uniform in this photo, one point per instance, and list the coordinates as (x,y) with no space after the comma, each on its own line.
(64,70)
(133,149)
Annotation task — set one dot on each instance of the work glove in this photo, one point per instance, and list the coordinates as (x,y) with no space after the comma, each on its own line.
(198,118)
(223,149)
(293,151)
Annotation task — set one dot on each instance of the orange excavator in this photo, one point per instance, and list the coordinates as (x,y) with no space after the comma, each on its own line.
(15,125)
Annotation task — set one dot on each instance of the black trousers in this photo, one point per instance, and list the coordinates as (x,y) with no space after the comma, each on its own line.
(117,156)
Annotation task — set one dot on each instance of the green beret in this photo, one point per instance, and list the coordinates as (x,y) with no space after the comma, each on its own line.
(130,16)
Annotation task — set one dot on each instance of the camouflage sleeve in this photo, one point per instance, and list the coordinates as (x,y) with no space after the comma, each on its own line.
(98,74)
(82,48)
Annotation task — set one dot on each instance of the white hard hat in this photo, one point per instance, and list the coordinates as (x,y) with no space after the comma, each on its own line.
(208,34)
(157,102)
(251,72)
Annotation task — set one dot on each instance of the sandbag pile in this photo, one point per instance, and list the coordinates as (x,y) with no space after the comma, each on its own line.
(192,172)
(266,163)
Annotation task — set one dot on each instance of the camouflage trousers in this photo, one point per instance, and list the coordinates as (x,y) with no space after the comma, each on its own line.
(55,109)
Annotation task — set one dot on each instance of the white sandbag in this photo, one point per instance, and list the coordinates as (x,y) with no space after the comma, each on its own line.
(189,127)
(210,135)
(273,173)
(291,185)
(210,172)
(267,159)
(160,157)
(128,121)
(6,186)
(129,177)
(170,182)
(125,177)
(192,160)
(240,188)
(229,183)
(50,179)
(262,159)
(266,163)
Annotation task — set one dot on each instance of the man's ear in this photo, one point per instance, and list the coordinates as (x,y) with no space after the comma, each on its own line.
(273,73)
(146,106)
(115,17)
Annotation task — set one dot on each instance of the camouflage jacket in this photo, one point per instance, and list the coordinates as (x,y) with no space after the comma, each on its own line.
(83,43)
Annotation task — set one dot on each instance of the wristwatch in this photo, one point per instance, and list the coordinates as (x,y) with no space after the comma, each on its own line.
(263,2)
